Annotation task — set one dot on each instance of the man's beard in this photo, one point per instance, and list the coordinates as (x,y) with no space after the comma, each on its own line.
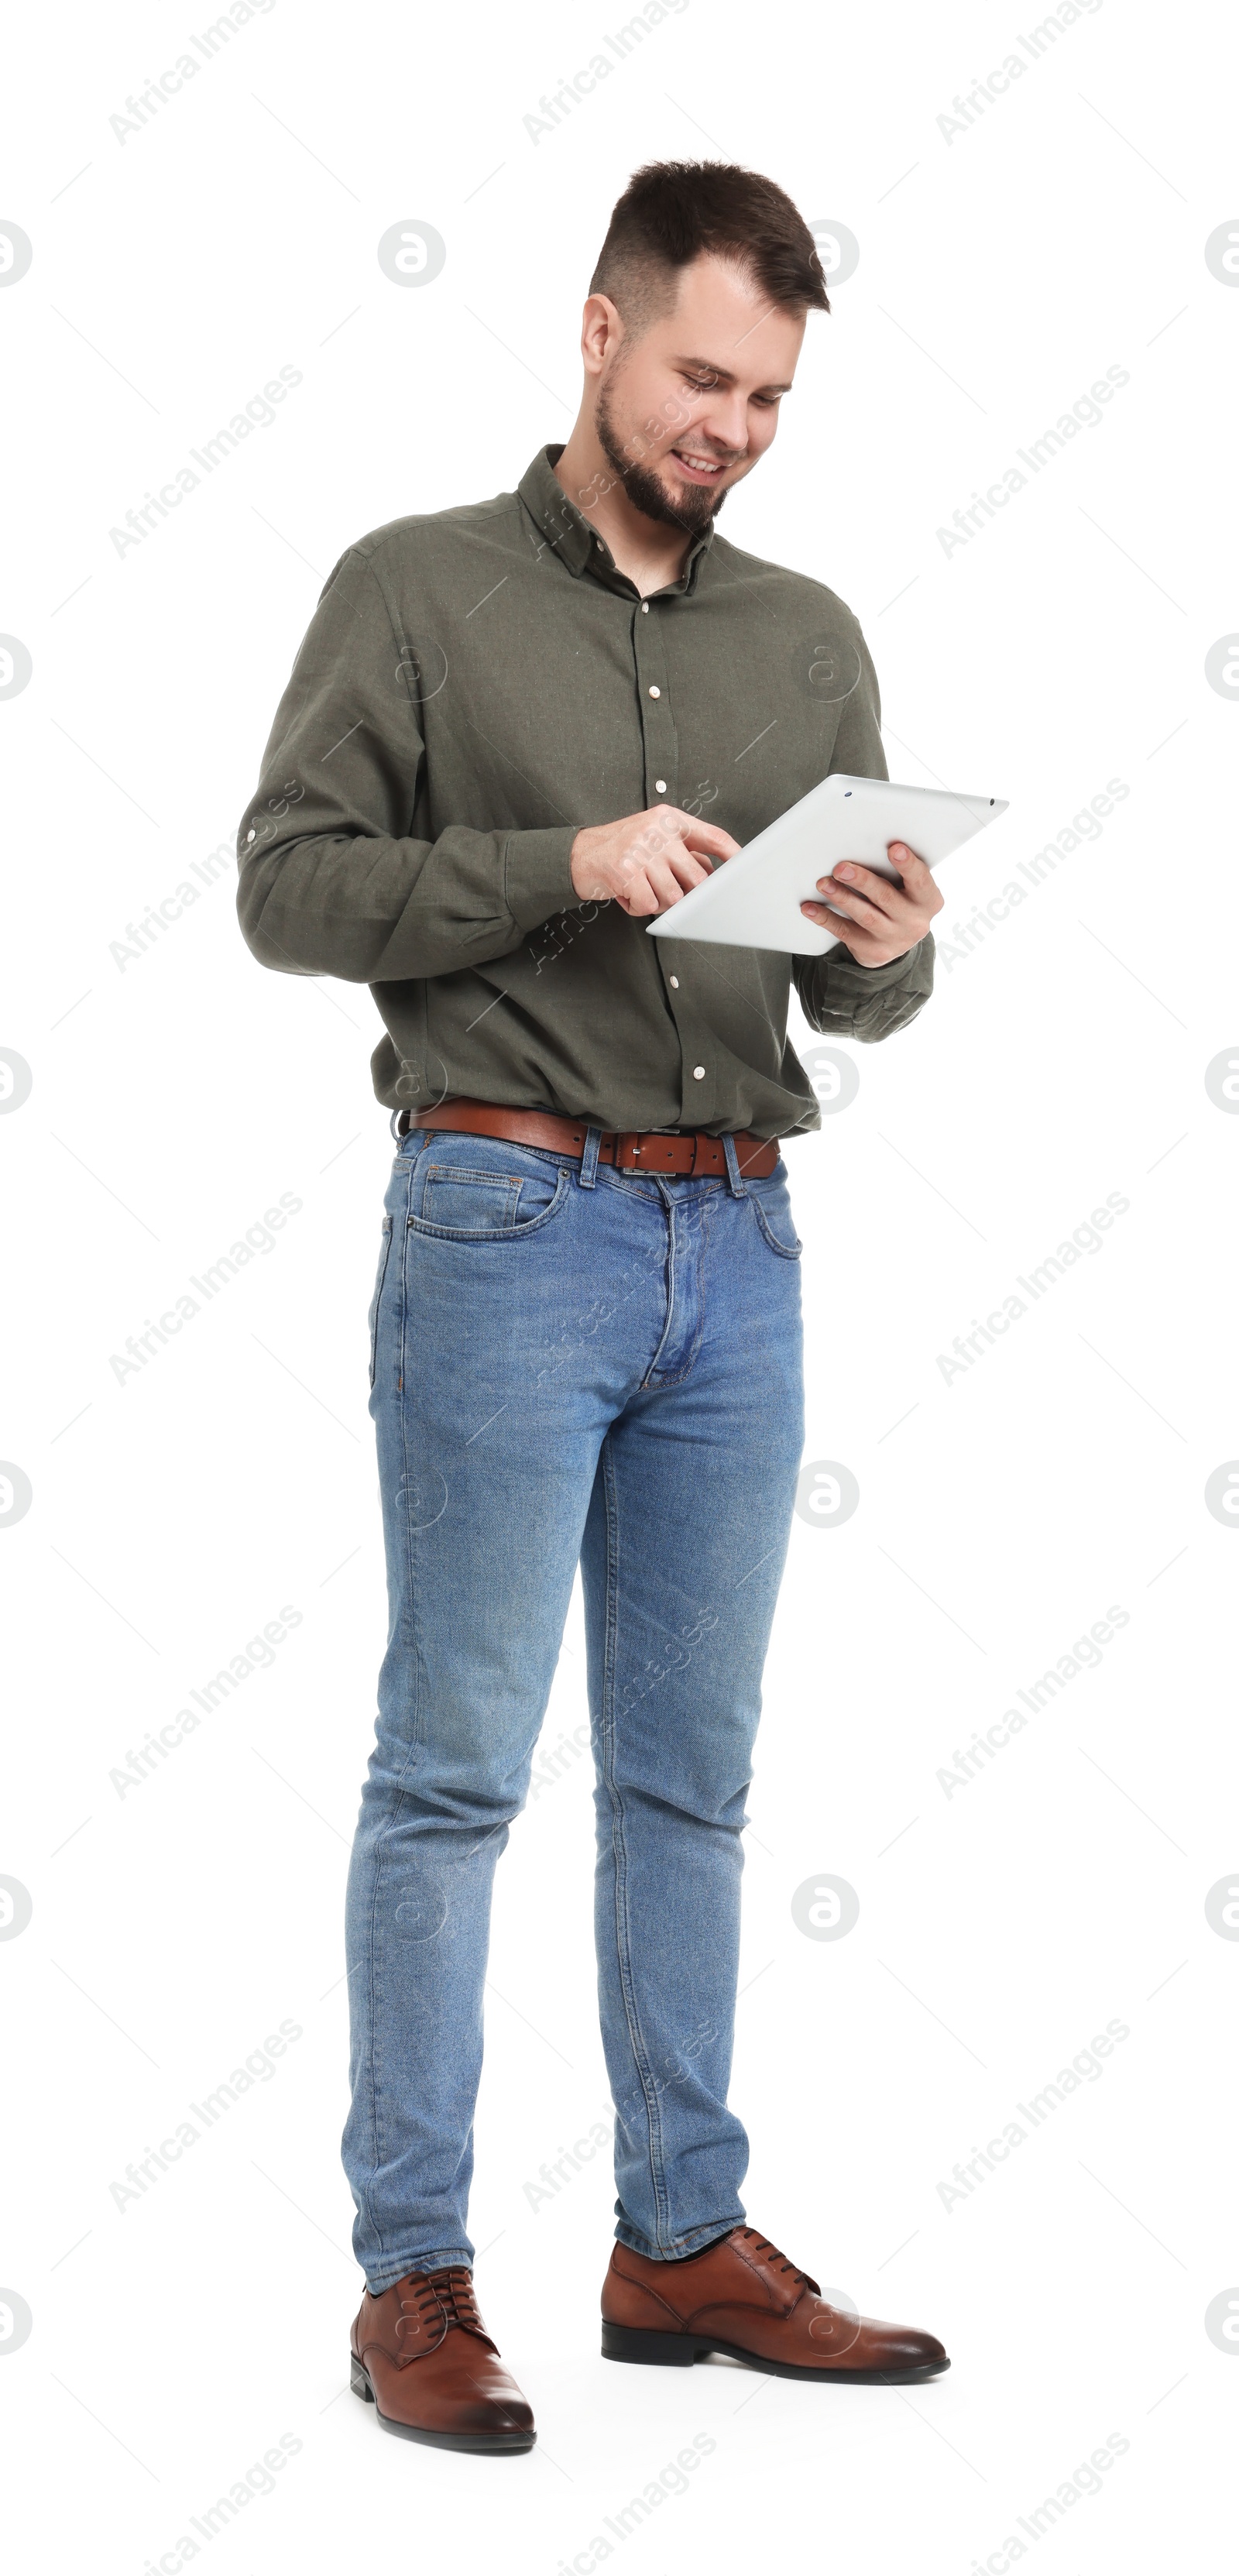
(694,509)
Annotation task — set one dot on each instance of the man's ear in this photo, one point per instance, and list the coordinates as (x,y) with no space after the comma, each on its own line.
(602,333)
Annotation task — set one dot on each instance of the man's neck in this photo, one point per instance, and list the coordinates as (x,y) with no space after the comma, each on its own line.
(650,551)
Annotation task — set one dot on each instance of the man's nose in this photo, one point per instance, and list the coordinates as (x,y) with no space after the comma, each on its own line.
(726,428)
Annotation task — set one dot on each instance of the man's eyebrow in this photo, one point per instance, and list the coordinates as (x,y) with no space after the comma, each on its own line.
(723,375)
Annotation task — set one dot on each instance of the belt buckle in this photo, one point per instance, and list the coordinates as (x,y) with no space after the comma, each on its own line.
(628,1149)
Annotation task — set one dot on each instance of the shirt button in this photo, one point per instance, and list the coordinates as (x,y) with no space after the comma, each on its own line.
(645,608)
(699,1073)
(249,836)
(675,983)
(660,789)
(656,693)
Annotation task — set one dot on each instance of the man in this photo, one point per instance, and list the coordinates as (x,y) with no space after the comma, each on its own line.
(514,732)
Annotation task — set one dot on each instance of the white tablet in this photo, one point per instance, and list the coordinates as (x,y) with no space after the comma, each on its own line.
(753,900)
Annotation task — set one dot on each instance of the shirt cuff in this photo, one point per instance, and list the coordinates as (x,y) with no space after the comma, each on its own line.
(847,973)
(537,876)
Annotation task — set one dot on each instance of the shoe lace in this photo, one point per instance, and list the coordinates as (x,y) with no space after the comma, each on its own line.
(458,2302)
(770,2253)
(448,2294)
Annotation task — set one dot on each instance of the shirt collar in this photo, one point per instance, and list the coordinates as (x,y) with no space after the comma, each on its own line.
(561,526)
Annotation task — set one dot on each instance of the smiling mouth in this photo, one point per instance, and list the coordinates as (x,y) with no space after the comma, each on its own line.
(699,469)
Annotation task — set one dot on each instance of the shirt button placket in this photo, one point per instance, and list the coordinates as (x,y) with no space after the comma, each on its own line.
(661,751)
(697,1104)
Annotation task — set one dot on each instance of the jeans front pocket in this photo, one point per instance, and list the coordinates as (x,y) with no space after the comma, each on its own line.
(772,1208)
(489,1197)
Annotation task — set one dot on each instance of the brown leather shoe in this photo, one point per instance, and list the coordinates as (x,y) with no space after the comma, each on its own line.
(420,2354)
(742,2297)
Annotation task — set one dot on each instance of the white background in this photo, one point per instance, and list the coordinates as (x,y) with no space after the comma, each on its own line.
(176,1096)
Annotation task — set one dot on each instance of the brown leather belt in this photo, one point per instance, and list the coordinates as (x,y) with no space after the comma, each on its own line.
(632,1150)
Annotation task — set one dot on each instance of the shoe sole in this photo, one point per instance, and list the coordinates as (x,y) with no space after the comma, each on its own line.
(359,2382)
(634,2343)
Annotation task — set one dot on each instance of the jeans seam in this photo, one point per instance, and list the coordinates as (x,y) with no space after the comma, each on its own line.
(416,1667)
(389,1231)
(623,1948)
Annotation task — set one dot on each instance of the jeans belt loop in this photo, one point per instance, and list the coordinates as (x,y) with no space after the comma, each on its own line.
(739,1189)
(589,1159)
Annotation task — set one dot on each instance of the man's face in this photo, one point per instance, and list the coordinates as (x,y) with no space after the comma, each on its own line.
(684,412)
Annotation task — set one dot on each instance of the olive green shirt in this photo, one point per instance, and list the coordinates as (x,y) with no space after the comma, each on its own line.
(474,687)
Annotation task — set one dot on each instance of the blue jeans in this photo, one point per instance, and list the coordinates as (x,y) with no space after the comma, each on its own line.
(569,1364)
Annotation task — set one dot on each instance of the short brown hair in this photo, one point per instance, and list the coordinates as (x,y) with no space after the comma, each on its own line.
(673,211)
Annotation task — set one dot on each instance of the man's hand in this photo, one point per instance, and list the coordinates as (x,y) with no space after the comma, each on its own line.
(646,862)
(881,921)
